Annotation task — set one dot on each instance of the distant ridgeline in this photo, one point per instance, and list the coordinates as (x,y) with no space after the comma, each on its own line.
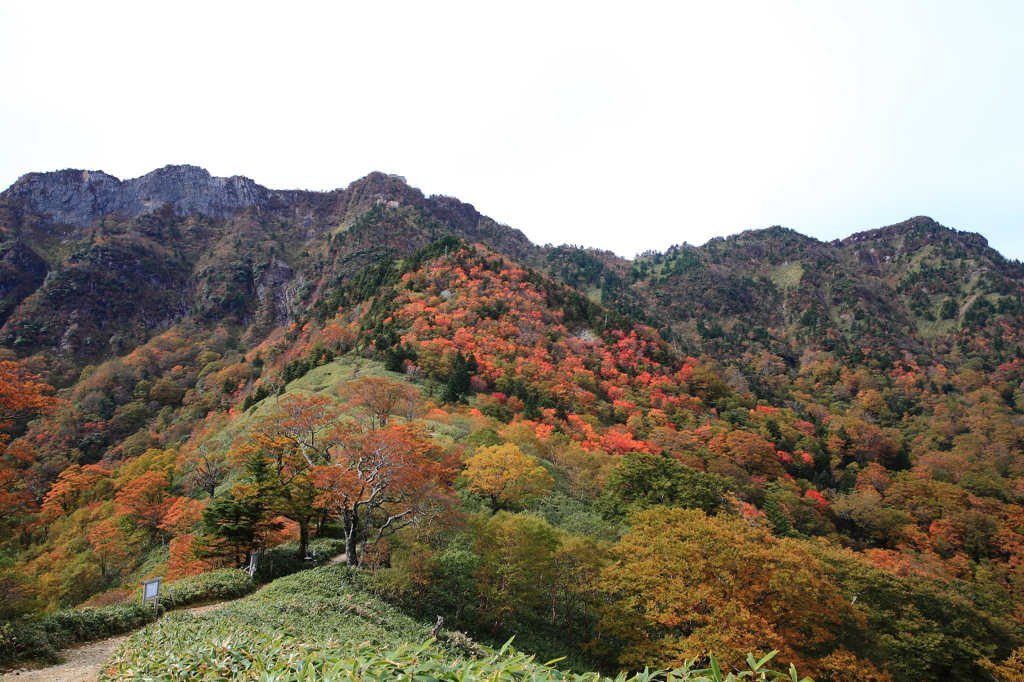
(764,443)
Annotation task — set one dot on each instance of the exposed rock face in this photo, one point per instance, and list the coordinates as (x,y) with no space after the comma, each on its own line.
(78,197)
(22,271)
(26,260)
(273,284)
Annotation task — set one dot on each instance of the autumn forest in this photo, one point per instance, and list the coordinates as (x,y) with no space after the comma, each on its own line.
(766,443)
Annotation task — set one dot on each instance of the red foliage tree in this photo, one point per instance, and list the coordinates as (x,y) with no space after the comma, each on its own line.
(21,399)
(145,500)
(382,481)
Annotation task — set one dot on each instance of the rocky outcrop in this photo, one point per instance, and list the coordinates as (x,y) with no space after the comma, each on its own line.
(78,197)
(22,271)
(471,225)
(273,284)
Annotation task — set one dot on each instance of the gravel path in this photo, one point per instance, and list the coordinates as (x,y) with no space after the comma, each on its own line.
(82,663)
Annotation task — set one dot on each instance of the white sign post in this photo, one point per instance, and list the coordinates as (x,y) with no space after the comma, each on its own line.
(151,592)
(254,560)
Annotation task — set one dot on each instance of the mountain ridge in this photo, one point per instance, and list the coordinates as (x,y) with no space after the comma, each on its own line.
(78,197)
(60,196)
(179,242)
(860,401)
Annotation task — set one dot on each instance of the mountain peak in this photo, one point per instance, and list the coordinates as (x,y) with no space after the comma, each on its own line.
(75,196)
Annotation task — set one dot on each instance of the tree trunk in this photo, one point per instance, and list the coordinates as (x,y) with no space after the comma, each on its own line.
(304,538)
(351,551)
(351,521)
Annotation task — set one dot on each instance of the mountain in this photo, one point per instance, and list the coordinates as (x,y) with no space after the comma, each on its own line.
(91,264)
(583,428)
(915,286)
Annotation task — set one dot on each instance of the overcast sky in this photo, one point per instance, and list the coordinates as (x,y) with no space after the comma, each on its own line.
(624,126)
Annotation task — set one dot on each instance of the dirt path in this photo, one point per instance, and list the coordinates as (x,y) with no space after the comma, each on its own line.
(82,663)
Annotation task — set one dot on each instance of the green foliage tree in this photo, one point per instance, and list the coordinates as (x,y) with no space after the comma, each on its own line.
(484,437)
(516,569)
(919,628)
(458,379)
(948,310)
(236,528)
(166,392)
(643,480)
(777,517)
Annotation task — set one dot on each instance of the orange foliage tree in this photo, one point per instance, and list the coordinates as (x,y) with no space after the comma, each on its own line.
(145,501)
(110,547)
(372,400)
(295,436)
(381,481)
(748,450)
(183,520)
(21,399)
(307,421)
(74,487)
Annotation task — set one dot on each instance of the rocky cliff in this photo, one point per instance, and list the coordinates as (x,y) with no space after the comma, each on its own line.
(78,197)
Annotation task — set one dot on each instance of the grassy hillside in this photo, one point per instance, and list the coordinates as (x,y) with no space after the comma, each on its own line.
(290,619)
(323,626)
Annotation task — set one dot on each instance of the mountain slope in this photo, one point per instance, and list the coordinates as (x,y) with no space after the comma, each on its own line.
(913,287)
(859,403)
(91,264)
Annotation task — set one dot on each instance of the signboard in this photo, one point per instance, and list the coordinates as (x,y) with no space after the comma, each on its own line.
(253,563)
(151,591)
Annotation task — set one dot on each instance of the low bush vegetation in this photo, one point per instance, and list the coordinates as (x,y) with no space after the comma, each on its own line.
(43,637)
(323,626)
(289,620)
(227,583)
(282,659)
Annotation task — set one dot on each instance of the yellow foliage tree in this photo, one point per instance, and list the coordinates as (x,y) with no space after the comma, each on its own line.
(506,475)
(685,584)
(1010,670)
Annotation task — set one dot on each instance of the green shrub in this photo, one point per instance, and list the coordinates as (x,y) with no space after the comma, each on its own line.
(323,625)
(42,637)
(227,583)
(20,640)
(278,658)
(285,559)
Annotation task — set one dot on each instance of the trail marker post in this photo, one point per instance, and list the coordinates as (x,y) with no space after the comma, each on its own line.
(253,563)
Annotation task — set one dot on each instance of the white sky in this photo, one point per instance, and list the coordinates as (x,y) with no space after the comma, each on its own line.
(621,126)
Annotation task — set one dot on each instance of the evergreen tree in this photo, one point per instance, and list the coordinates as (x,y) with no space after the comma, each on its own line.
(777,517)
(458,380)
